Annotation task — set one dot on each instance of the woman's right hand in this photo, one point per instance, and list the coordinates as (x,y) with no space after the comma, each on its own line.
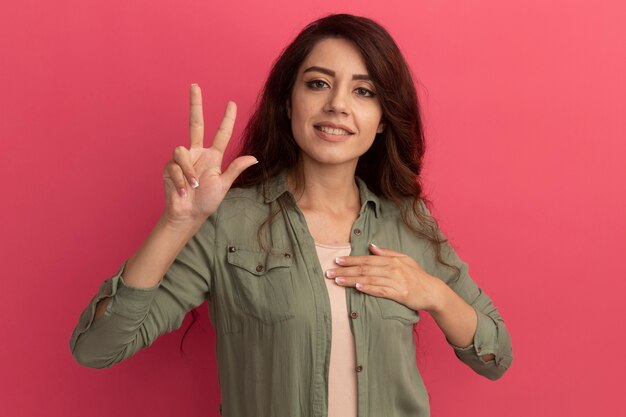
(194,183)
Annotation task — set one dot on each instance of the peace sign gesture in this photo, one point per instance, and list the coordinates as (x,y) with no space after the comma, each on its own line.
(194,183)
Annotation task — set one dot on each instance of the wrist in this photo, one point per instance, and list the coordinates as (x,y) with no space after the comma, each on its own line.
(441,295)
(183,227)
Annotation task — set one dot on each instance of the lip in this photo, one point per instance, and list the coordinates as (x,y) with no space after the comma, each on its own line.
(331,138)
(334,126)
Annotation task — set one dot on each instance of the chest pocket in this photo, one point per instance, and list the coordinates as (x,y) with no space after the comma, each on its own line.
(262,282)
(395,311)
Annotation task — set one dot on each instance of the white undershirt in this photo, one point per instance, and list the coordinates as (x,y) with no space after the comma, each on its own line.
(342,381)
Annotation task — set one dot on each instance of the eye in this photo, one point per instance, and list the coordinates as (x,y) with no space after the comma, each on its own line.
(365,92)
(316,84)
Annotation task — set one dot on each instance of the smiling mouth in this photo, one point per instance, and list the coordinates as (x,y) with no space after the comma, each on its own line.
(332,130)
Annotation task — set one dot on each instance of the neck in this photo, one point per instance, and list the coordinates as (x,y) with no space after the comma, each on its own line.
(330,188)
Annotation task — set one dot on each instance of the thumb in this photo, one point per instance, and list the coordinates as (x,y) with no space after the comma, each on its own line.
(236,167)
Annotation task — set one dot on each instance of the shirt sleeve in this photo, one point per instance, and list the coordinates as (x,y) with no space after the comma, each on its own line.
(135,317)
(492,335)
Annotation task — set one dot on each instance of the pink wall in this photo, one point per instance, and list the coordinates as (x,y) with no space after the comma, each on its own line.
(524,104)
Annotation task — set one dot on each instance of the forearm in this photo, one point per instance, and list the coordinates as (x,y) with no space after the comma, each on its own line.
(150,262)
(456,319)
(146,267)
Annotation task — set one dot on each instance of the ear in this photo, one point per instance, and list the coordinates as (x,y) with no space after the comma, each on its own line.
(288,109)
(381,127)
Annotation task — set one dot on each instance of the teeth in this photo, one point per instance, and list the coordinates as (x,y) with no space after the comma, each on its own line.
(332,131)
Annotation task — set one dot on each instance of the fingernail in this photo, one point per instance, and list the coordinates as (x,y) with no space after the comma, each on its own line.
(339,261)
(330,273)
(192,84)
(194,182)
(340,280)
(372,245)
(182,192)
(257,161)
(358,286)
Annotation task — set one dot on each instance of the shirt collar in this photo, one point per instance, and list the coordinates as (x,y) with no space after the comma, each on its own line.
(277,186)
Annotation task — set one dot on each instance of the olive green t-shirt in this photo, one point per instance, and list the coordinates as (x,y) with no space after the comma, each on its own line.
(270,308)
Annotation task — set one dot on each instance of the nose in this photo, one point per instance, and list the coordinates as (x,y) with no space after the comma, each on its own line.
(337,102)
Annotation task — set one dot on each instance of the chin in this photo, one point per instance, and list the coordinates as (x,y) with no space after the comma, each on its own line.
(331,158)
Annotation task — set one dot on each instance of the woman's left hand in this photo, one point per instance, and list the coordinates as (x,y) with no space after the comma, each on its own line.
(389,274)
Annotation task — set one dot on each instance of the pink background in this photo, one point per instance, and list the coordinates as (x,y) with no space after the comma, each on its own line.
(523,102)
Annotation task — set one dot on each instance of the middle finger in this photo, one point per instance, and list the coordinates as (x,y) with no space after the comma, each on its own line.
(358,271)
(196,119)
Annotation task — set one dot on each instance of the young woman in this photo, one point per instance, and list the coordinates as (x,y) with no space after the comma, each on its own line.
(316,262)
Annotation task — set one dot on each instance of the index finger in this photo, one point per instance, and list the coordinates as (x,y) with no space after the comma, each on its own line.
(224,132)
(353,260)
(196,119)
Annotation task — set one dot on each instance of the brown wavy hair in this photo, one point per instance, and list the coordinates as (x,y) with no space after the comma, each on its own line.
(391,167)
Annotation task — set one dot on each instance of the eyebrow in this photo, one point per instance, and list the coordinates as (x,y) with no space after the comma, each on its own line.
(326,71)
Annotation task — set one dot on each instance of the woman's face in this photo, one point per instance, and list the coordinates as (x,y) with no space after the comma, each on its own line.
(334,111)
